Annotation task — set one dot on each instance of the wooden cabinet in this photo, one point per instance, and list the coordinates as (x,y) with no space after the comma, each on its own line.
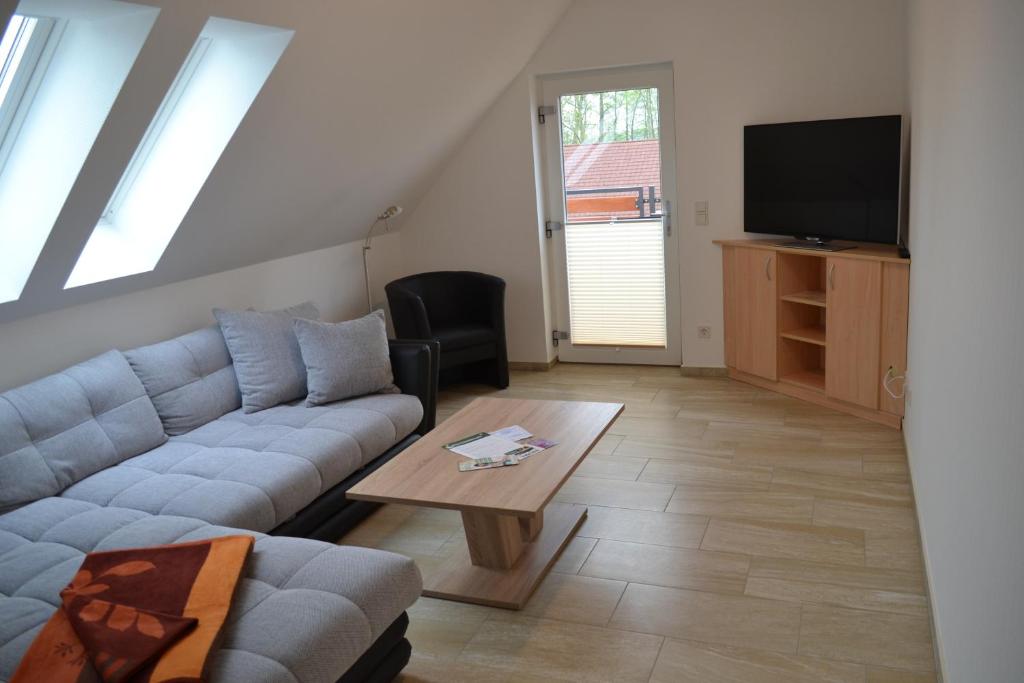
(751,285)
(826,327)
(852,328)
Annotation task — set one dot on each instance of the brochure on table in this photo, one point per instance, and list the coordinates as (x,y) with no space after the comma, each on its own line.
(509,443)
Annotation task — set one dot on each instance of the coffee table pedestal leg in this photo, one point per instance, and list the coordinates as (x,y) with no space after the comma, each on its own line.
(494,541)
(504,556)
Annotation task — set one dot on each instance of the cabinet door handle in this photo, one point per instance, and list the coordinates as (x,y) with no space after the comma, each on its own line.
(832,276)
(767,264)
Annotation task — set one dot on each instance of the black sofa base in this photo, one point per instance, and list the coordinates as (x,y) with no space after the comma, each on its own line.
(386,657)
(332,515)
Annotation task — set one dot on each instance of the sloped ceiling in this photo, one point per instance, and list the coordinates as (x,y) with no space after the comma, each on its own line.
(367,102)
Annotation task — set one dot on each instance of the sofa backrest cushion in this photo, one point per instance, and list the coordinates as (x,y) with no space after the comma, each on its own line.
(60,429)
(190,379)
(265,351)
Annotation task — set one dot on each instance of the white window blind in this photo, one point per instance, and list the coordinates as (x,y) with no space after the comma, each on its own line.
(616,275)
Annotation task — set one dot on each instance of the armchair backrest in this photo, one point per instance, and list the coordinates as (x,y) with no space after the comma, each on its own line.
(448,298)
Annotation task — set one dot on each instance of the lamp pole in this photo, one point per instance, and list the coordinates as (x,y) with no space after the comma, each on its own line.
(387,214)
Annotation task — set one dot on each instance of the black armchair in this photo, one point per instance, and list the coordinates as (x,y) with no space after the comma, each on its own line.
(464,312)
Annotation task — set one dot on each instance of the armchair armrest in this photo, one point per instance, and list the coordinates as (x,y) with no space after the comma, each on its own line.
(415,365)
(408,312)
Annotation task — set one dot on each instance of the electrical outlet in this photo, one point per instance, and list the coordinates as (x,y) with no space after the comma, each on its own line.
(703,332)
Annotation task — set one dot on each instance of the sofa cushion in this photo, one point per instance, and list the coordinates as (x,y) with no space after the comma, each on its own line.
(266,354)
(305,610)
(190,379)
(255,471)
(345,359)
(60,429)
(454,337)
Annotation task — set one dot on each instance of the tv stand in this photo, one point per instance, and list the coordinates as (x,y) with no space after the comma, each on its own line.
(827,328)
(816,244)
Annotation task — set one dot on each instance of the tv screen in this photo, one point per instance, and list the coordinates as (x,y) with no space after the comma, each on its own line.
(836,179)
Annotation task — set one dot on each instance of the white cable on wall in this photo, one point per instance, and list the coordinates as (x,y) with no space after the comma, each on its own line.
(889,378)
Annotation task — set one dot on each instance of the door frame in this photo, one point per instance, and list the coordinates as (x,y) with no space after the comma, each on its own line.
(550,88)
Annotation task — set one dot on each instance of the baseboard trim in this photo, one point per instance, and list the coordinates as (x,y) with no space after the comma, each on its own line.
(697,371)
(523,366)
(937,649)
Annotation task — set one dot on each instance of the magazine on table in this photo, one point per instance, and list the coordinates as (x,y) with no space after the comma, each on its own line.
(499,446)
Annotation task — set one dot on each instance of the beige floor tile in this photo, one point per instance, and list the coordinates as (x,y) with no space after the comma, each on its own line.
(893,549)
(891,640)
(643,526)
(733,411)
(863,435)
(886,463)
(544,647)
(741,504)
(839,596)
(611,467)
(796,456)
(664,566)
(657,427)
(689,662)
(625,494)
(648,409)
(607,444)
(795,541)
(858,515)
(439,629)
(842,488)
(725,473)
(758,434)
(407,530)
(880,675)
(709,617)
(873,578)
(579,599)
(574,555)
(688,449)
(706,393)
(429,670)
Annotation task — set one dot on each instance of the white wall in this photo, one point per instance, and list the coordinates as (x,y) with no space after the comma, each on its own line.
(964,424)
(332,278)
(735,62)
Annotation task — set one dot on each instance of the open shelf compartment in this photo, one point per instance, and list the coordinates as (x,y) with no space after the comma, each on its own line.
(802,316)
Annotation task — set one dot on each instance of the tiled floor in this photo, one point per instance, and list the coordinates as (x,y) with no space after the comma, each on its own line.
(733,535)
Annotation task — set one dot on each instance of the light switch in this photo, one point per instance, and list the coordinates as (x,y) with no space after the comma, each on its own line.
(701,212)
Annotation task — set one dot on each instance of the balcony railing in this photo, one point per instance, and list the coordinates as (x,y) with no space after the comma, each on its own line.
(636,202)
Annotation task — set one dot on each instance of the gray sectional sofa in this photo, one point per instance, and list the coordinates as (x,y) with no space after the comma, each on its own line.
(150,447)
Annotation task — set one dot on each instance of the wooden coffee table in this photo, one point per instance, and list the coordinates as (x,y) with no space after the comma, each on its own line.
(513,535)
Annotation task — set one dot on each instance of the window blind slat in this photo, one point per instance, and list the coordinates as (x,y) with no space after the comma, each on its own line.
(616,274)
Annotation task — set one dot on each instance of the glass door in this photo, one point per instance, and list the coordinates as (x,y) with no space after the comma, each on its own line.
(611,185)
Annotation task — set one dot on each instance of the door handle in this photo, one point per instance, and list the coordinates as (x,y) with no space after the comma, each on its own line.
(668,218)
(767,265)
(832,276)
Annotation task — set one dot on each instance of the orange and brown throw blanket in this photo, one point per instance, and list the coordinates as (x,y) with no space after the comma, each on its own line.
(143,615)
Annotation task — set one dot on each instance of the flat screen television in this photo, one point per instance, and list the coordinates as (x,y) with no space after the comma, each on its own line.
(824,180)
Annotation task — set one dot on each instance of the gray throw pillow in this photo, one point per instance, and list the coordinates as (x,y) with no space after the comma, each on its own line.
(345,359)
(266,354)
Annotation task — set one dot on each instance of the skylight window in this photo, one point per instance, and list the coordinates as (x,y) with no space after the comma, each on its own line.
(218,82)
(61,67)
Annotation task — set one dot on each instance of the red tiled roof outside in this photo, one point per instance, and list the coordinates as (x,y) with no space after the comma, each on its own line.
(634,163)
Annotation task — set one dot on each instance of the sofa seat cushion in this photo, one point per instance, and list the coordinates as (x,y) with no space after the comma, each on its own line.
(255,471)
(305,610)
(60,429)
(461,336)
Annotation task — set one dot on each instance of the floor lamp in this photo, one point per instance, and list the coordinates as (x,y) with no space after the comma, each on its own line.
(386,215)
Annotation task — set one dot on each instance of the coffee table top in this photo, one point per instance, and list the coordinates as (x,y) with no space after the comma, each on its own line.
(427,475)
